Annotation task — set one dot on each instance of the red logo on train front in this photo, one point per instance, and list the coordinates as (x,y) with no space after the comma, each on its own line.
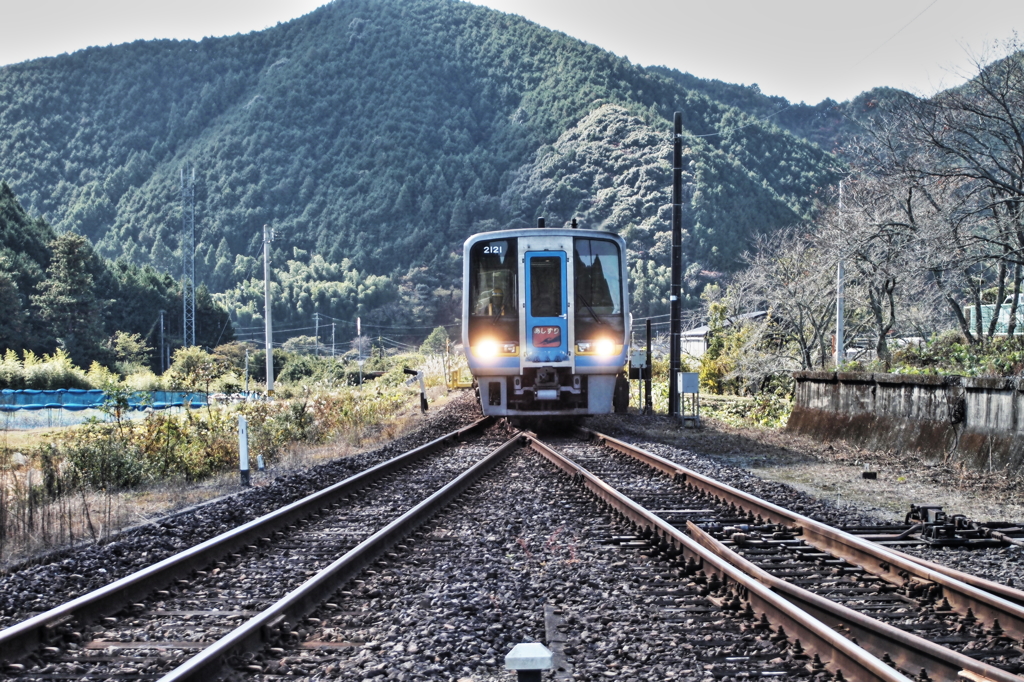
(547,337)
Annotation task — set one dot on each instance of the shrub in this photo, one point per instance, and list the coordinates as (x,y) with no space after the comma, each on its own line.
(949,353)
(106,463)
(12,373)
(193,369)
(50,372)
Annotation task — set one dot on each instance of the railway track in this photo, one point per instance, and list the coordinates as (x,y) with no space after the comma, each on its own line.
(874,596)
(370,581)
(523,557)
(165,614)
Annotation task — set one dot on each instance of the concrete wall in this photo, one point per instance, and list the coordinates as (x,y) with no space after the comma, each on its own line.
(979,421)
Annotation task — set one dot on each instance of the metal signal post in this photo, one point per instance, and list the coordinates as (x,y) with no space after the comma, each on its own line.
(840,292)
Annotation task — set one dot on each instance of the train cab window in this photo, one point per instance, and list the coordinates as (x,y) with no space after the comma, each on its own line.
(493,275)
(598,277)
(545,286)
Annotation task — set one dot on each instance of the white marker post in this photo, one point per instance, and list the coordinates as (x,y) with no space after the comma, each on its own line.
(528,660)
(243,450)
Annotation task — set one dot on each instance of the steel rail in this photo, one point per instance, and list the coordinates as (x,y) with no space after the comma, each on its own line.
(21,638)
(897,569)
(835,651)
(907,650)
(1008,593)
(251,634)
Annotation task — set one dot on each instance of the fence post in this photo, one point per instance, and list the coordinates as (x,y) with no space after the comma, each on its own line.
(243,450)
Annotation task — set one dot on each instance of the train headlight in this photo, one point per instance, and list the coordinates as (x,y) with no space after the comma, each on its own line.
(584,347)
(486,349)
(605,347)
(489,349)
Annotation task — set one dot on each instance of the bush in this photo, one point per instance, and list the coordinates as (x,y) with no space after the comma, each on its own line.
(143,380)
(193,369)
(106,463)
(950,353)
(12,373)
(771,410)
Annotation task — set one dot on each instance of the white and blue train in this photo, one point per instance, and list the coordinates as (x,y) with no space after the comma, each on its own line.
(545,321)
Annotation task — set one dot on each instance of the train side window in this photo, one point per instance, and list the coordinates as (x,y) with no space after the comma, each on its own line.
(493,279)
(598,277)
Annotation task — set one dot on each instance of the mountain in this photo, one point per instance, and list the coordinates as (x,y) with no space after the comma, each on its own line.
(375,135)
(829,124)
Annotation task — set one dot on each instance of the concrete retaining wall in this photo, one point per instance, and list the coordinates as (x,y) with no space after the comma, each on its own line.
(979,421)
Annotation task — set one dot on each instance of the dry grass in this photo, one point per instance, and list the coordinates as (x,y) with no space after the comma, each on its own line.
(35,526)
(29,438)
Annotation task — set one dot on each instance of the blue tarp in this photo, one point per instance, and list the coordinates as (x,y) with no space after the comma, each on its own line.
(77,399)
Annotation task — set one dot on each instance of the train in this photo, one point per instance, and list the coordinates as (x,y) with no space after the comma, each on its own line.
(545,321)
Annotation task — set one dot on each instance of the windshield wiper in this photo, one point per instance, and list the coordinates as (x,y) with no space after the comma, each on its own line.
(586,304)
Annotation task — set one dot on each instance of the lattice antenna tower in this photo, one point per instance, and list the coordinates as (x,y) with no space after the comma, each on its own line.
(188,255)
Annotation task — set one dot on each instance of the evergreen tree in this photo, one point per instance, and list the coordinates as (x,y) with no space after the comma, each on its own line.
(12,329)
(67,300)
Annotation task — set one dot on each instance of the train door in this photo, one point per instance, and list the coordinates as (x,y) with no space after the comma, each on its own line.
(547,331)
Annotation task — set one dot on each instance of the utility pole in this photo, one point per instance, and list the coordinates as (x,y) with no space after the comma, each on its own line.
(677,264)
(316,332)
(840,303)
(163,368)
(359,347)
(332,339)
(188,258)
(268,236)
(247,372)
(648,400)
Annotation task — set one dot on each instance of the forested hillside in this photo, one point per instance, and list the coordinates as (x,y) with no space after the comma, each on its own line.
(829,124)
(375,135)
(56,292)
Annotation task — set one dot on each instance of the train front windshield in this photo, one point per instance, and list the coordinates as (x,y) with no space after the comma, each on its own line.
(494,290)
(598,285)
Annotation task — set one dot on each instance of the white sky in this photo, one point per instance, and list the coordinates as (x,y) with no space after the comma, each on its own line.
(804,50)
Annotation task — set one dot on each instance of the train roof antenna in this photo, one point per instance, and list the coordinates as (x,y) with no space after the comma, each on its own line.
(540,222)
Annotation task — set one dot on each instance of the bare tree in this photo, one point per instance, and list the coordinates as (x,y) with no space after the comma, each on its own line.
(879,235)
(794,278)
(961,153)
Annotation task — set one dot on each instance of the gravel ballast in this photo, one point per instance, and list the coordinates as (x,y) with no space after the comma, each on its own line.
(466,589)
(37,588)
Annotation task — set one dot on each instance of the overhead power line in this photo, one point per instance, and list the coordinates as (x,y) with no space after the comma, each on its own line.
(886,41)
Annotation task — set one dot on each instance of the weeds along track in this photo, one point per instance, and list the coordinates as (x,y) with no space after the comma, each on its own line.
(182,604)
(46,581)
(913,617)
